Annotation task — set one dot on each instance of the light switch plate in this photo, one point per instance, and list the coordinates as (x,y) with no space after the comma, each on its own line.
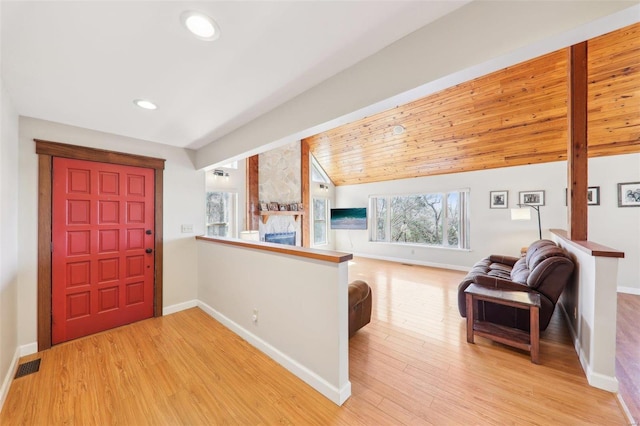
(187,229)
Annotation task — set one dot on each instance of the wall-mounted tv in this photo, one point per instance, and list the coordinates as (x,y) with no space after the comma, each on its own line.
(351,218)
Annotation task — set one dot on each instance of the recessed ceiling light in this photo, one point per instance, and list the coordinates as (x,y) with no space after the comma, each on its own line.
(398,130)
(200,25)
(143,103)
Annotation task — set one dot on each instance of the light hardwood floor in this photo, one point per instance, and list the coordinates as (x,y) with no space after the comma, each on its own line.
(628,352)
(410,366)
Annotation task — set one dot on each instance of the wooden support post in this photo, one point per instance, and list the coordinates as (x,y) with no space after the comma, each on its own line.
(577,149)
(253,197)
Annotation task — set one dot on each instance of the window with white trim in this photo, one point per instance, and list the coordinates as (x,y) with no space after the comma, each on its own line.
(221,214)
(433,219)
(320,222)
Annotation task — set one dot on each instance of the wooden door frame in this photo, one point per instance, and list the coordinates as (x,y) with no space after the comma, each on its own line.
(46,150)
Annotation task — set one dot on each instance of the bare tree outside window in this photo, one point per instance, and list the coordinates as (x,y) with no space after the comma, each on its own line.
(219,212)
(417,219)
(436,219)
(319,221)
(380,209)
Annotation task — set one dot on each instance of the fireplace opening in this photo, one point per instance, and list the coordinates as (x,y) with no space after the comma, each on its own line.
(288,238)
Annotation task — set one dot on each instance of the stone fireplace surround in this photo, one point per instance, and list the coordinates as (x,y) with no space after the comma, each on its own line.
(279,180)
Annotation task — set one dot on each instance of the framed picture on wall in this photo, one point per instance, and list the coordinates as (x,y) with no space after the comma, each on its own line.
(629,194)
(593,196)
(264,207)
(532,198)
(498,199)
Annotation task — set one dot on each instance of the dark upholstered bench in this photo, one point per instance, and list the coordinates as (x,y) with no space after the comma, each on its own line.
(359,306)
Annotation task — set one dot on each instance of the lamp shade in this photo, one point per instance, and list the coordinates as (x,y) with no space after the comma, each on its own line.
(521,214)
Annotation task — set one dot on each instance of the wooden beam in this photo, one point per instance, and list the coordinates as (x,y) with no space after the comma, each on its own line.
(306,202)
(252,211)
(577,152)
(45,171)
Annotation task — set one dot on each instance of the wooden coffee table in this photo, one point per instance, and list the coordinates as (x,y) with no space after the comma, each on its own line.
(500,333)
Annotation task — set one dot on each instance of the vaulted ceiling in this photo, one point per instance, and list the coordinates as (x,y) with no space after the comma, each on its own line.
(511,117)
(83,63)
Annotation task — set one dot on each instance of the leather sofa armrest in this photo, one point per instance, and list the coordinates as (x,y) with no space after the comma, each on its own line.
(506,260)
(495,282)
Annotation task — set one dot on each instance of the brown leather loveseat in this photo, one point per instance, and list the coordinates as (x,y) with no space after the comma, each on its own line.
(546,269)
(359,306)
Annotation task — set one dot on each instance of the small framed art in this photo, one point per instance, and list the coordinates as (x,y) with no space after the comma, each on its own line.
(498,199)
(629,194)
(532,198)
(593,196)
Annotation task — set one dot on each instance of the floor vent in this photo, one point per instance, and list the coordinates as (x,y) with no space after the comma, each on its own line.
(28,368)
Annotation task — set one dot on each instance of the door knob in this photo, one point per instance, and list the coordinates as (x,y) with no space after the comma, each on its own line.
(149,250)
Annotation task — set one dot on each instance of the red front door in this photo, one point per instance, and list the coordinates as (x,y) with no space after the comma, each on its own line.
(103,240)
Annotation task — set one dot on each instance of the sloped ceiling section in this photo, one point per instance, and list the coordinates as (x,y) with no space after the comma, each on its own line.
(511,117)
(82,63)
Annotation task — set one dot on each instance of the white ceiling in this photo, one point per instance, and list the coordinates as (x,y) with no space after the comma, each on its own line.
(83,63)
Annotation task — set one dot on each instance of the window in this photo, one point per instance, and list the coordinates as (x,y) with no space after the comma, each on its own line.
(221,214)
(317,173)
(320,210)
(438,219)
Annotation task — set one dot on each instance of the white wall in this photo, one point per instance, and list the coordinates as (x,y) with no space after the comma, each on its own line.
(474,40)
(302,309)
(493,232)
(8,241)
(183,204)
(617,227)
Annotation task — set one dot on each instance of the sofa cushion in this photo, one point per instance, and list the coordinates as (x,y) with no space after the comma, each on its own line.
(500,267)
(542,254)
(520,272)
(535,246)
(498,274)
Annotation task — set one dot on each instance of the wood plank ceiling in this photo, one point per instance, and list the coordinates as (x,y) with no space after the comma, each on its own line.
(514,116)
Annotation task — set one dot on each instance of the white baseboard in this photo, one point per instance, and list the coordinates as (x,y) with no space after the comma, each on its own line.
(168,310)
(21,351)
(597,380)
(601,381)
(629,290)
(415,262)
(627,412)
(8,378)
(28,349)
(338,396)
